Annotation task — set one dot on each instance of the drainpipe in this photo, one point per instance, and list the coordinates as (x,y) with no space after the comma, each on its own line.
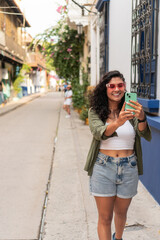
(106,36)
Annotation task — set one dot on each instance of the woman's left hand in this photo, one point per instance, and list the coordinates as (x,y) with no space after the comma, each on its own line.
(139,113)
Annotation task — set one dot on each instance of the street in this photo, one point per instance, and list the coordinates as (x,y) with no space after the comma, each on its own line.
(26,146)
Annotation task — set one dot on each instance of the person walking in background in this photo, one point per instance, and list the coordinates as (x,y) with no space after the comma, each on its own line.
(114,160)
(1,93)
(65,87)
(6,90)
(68,101)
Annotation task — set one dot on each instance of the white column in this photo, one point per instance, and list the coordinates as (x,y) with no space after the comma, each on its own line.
(120,37)
(93,54)
(98,51)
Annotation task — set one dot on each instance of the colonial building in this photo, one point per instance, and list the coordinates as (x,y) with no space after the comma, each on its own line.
(123,35)
(37,79)
(12,54)
(129,33)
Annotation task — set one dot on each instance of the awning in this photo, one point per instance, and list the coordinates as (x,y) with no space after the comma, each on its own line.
(100,3)
(13,3)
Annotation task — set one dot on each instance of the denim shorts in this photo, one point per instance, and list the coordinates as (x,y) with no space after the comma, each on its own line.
(114,176)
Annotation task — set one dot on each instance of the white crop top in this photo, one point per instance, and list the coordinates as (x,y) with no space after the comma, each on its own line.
(124,140)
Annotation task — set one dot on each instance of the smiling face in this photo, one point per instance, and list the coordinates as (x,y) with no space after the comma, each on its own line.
(116,91)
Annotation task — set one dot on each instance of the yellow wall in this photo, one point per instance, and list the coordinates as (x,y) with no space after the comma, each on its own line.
(85,50)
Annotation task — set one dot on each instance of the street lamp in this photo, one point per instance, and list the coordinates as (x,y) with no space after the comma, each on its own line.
(79,28)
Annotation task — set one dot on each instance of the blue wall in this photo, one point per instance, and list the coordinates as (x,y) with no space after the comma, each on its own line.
(151,161)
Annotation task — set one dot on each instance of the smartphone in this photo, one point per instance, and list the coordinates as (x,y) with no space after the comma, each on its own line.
(130,96)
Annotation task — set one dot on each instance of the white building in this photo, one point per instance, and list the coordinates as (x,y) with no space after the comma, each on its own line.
(129,33)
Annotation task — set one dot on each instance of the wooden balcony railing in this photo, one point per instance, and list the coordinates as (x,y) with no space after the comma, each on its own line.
(35,59)
(14,48)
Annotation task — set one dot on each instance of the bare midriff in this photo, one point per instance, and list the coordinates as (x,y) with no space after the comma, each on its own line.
(117,153)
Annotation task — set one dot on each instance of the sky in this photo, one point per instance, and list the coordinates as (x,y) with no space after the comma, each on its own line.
(41,14)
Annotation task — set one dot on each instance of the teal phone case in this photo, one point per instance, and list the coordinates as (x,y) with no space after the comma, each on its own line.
(130,96)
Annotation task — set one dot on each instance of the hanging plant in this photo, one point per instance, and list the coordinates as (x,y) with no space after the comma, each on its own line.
(20,78)
(62,50)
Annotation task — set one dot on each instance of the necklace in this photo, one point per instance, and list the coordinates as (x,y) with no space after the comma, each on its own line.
(114,114)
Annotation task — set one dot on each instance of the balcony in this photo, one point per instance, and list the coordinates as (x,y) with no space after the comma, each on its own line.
(35,59)
(10,49)
(14,49)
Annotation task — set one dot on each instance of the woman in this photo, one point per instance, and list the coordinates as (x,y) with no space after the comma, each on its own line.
(115,156)
(68,101)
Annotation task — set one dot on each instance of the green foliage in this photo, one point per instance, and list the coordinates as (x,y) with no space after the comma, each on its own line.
(85,108)
(85,80)
(20,78)
(80,99)
(62,49)
(84,114)
(78,96)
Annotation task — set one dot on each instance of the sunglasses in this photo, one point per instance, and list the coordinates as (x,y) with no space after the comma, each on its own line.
(113,86)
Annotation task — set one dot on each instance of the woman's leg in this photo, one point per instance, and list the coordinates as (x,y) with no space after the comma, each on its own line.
(105,207)
(64,107)
(68,109)
(120,210)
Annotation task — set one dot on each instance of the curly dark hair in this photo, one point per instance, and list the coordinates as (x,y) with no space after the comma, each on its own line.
(99,98)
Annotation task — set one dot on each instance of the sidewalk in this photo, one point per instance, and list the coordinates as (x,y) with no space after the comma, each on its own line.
(71,211)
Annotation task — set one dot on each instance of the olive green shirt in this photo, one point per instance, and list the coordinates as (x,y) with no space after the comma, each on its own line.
(98,128)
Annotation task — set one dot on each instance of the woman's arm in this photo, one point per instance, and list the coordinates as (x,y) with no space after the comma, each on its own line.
(139,114)
(101,130)
(122,118)
(97,126)
(142,125)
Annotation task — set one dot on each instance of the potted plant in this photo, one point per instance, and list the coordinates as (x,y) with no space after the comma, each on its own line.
(85,109)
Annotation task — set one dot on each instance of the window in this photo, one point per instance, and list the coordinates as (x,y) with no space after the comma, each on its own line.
(144,48)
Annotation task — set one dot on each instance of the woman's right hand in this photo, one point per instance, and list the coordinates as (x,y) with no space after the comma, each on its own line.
(124,116)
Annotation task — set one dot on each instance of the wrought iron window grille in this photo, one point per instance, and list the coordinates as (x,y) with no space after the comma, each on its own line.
(144,48)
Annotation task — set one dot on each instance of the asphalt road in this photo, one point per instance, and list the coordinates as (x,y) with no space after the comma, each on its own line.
(26,148)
